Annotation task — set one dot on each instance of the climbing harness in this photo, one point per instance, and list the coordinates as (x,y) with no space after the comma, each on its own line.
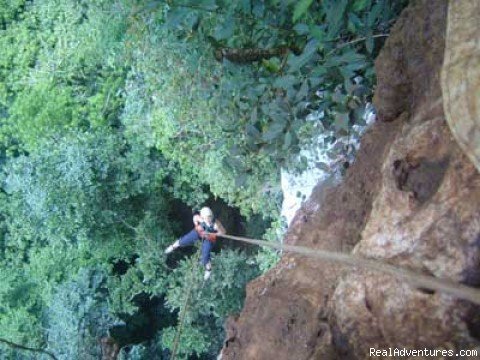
(208,228)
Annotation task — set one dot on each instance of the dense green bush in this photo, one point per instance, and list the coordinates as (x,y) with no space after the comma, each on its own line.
(78,316)
(64,71)
(209,303)
(113,111)
(232,123)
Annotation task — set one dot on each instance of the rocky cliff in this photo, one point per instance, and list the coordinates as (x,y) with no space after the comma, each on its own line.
(412,199)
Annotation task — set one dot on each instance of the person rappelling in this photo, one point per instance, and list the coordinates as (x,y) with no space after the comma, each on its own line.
(206,228)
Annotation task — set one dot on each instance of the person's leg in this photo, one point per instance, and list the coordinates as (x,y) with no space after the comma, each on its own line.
(186,240)
(206,248)
(189,238)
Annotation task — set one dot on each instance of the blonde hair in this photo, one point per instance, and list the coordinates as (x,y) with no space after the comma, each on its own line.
(206,213)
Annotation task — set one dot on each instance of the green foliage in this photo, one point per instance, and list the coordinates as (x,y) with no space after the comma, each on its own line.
(268,257)
(181,114)
(10,10)
(151,351)
(72,204)
(53,191)
(112,109)
(232,126)
(301,8)
(193,340)
(64,70)
(41,111)
(78,316)
(210,302)
(16,61)
(20,308)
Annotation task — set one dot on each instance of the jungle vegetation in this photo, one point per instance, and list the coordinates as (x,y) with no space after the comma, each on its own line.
(113,112)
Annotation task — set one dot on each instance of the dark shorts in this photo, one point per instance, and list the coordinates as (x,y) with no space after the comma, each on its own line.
(191,238)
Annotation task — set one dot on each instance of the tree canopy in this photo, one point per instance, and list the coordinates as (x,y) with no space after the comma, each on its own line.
(113,112)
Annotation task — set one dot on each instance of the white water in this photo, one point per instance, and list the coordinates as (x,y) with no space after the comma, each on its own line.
(297,188)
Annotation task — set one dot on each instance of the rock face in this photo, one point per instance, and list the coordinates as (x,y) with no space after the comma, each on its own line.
(461,76)
(412,198)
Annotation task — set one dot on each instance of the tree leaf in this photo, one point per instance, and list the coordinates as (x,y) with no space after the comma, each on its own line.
(207,4)
(254,115)
(334,11)
(252,131)
(373,15)
(273,65)
(303,91)
(354,23)
(301,29)
(225,30)
(318,32)
(258,9)
(246,6)
(296,62)
(233,163)
(285,82)
(349,56)
(357,115)
(241,179)
(175,18)
(301,8)
(273,131)
(191,20)
(287,142)
(360,5)
(369,43)
(341,121)
(315,81)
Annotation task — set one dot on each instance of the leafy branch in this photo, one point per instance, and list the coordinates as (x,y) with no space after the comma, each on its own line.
(23,347)
(218,11)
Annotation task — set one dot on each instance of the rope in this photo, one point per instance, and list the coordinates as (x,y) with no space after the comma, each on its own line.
(185,306)
(419,280)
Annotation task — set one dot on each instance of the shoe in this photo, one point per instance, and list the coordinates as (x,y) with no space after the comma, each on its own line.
(208,271)
(172,247)
(207,274)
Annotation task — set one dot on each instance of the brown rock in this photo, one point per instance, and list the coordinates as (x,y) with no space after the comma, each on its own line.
(461,76)
(412,199)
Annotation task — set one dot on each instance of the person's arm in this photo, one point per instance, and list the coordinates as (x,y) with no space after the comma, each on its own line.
(197,219)
(197,223)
